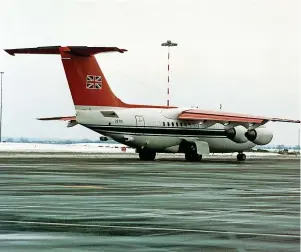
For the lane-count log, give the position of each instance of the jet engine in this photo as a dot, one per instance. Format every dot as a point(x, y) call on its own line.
point(237, 134)
point(259, 136)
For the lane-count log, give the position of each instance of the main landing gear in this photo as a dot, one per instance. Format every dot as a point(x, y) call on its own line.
point(241, 157)
point(146, 155)
point(193, 157)
point(191, 154)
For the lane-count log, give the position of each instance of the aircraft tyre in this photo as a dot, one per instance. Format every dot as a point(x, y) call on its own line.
point(241, 157)
point(193, 157)
point(147, 155)
point(191, 154)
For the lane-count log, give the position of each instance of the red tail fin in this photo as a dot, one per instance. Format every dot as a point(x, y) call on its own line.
point(87, 82)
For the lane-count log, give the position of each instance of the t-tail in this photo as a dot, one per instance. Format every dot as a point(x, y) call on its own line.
point(87, 83)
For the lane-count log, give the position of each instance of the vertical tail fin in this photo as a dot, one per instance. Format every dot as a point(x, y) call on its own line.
point(87, 83)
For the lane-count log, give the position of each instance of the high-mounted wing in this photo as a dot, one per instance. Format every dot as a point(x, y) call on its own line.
point(202, 115)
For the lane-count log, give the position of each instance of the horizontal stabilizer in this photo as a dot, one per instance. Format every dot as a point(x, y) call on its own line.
point(64, 118)
point(75, 50)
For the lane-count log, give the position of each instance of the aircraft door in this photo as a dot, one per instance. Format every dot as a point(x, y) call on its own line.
point(140, 121)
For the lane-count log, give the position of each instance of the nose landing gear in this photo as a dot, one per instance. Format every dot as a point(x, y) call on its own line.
point(241, 157)
point(146, 155)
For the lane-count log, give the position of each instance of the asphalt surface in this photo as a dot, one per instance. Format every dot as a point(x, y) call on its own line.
point(105, 204)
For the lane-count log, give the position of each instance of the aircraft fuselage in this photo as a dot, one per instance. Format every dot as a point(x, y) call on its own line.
point(155, 129)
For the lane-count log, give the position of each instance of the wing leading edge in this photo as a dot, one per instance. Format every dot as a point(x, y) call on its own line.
point(199, 115)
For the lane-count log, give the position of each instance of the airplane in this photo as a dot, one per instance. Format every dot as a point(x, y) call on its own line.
point(147, 128)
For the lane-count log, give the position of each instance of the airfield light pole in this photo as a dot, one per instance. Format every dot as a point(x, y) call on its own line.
point(1, 109)
point(168, 43)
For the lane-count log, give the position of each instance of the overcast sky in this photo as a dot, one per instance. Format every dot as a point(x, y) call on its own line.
point(244, 54)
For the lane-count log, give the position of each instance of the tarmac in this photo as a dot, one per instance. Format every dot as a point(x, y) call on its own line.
point(52, 202)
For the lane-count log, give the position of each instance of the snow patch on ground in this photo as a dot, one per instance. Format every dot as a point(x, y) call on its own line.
point(82, 148)
point(95, 148)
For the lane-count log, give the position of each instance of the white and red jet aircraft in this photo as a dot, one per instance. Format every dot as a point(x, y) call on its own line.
point(150, 129)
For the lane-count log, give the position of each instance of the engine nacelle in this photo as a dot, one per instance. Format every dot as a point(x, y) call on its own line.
point(237, 134)
point(260, 136)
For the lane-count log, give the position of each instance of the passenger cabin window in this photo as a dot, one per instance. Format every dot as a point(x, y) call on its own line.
point(172, 124)
point(177, 124)
point(167, 123)
point(163, 123)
